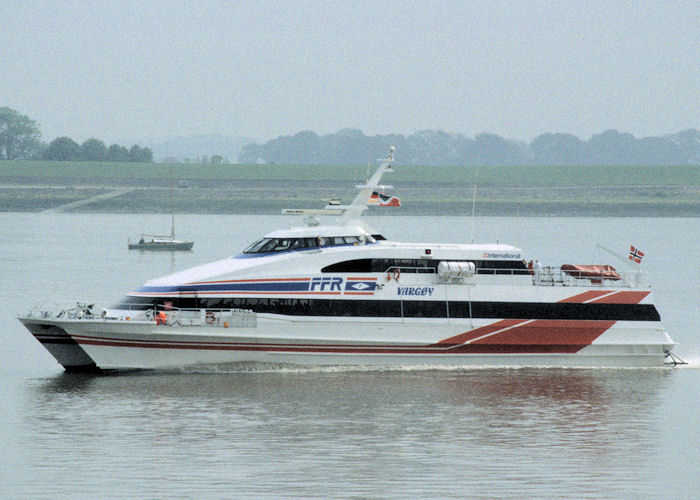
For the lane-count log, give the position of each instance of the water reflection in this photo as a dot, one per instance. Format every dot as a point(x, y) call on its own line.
point(164, 262)
point(348, 427)
point(507, 394)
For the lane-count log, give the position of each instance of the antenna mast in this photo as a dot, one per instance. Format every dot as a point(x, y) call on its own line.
point(476, 173)
point(172, 205)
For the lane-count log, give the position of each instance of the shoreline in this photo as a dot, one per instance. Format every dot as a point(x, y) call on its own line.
point(449, 200)
point(84, 187)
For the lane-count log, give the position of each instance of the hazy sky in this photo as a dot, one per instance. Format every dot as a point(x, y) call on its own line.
point(155, 70)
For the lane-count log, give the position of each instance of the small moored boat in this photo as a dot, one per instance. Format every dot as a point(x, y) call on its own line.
point(154, 242)
point(169, 243)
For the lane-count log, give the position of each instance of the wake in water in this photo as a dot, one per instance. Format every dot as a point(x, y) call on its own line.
point(692, 362)
point(282, 368)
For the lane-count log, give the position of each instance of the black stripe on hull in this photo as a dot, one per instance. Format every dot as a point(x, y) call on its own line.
point(62, 347)
point(408, 308)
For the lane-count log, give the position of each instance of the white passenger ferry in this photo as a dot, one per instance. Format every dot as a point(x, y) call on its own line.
point(344, 295)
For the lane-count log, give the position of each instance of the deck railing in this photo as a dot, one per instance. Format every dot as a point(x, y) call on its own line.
point(235, 318)
point(552, 276)
point(547, 276)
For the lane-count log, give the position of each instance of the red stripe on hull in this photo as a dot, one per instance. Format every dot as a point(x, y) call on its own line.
point(465, 349)
point(575, 334)
point(585, 296)
point(572, 334)
point(623, 298)
point(248, 281)
point(478, 332)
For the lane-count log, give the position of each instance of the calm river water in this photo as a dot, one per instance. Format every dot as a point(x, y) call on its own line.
point(332, 432)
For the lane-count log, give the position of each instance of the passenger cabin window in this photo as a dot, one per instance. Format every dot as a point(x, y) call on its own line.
point(422, 266)
point(269, 245)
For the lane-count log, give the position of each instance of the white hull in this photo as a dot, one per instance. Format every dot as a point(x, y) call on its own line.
point(115, 344)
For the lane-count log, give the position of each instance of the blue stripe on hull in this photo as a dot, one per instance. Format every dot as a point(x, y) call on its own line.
point(291, 286)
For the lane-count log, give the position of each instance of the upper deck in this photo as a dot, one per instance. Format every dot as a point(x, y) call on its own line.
point(349, 246)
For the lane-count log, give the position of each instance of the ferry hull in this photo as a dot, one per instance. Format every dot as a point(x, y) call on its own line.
point(61, 346)
point(112, 344)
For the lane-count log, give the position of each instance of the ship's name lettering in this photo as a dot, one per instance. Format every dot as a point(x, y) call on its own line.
point(326, 284)
point(415, 290)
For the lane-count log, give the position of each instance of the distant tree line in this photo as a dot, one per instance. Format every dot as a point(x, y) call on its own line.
point(66, 149)
point(20, 139)
point(435, 147)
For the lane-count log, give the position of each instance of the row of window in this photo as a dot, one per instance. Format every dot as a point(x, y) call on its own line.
point(406, 308)
point(422, 266)
point(267, 245)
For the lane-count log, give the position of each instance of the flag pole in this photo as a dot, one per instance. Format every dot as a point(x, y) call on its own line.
point(615, 254)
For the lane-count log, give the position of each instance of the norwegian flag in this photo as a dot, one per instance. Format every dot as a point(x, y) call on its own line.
point(636, 255)
point(384, 200)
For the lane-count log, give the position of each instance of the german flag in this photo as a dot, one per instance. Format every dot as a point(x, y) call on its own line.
point(384, 200)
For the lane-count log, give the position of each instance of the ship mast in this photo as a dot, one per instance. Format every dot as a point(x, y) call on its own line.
point(172, 206)
point(352, 212)
point(359, 204)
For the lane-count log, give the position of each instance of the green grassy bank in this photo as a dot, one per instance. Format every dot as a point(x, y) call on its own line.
point(266, 189)
point(88, 173)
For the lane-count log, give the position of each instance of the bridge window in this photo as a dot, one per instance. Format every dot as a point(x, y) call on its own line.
point(267, 245)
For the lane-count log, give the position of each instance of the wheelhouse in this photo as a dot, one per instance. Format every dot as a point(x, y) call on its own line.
point(309, 238)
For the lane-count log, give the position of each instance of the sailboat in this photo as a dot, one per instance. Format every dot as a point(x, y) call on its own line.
point(156, 242)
